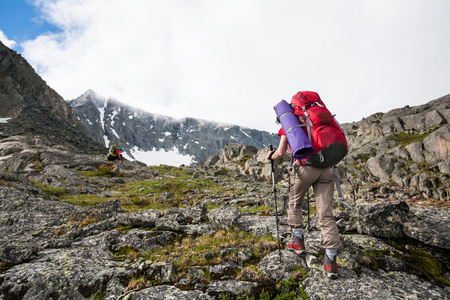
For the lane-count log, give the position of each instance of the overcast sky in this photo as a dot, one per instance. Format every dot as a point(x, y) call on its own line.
point(232, 61)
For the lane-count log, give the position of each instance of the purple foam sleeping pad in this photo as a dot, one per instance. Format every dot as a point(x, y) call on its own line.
point(301, 146)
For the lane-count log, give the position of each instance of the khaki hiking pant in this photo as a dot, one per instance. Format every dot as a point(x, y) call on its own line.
point(322, 181)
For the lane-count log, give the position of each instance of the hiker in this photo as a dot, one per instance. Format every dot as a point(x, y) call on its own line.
point(302, 177)
point(115, 155)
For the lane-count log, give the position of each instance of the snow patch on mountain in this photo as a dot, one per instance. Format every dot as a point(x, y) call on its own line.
point(245, 133)
point(102, 121)
point(159, 157)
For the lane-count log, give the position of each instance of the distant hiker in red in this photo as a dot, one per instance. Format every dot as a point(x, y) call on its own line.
point(115, 155)
point(303, 176)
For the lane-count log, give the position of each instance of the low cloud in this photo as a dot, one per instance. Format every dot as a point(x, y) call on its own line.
point(7, 42)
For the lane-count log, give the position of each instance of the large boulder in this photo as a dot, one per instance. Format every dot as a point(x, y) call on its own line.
point(381, 219)
point(168, 292)
point(381, 167)
point(280, 265)
point(225, 217)
point(141, 218)
point(437, 144)
point(429, 225)
point(415, 151)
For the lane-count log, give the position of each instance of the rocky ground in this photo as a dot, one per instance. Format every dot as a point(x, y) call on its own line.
point(71, 232)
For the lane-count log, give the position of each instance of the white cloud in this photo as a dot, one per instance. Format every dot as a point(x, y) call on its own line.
point(233, 61)
point(7, 42)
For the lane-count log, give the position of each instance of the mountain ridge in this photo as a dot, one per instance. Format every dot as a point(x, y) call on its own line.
point(134, 130)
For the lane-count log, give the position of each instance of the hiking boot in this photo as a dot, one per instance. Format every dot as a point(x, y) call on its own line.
point(298, 245)
point(330, 266)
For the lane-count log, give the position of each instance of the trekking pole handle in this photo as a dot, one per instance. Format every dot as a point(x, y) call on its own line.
point(271, 149)
point(270, 156)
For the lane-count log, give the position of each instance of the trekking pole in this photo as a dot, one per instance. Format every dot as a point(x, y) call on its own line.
point(275, 199)
point(307, 208)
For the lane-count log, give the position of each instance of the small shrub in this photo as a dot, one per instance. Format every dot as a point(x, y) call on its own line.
point(289, 290)
point(60, 231)
point(137, 283)
point(36, 162)
point(85, 222)
point(251, 273)
point(124, 253)
point(104, 170)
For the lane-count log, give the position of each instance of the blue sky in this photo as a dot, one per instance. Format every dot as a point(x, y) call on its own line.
point(21, 20)
point(232, 61)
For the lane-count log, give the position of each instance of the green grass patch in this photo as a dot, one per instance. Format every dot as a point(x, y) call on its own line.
point(204, 250)
point(403, 139)
point(4, 267)
point(54, 191)
point(124, 229)
point(164, 193)
point(430, 267)
point(244, 159)
point(124, 253)
point(85, 200)
point(170, 188)
point(261, 209)
point(51, 190)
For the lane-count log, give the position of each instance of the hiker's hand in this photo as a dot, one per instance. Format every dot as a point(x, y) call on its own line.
point(270, 154)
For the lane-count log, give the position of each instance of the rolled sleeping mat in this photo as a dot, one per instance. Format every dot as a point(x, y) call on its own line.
point(300, 144)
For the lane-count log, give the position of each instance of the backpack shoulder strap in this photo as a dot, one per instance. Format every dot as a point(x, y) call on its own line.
point(308, 122)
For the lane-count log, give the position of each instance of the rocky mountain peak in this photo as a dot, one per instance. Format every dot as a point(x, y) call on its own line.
point(34, 109)
point(90, 98)
point(21, 87)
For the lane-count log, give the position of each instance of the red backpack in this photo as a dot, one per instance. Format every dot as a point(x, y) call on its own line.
point(324, 132)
